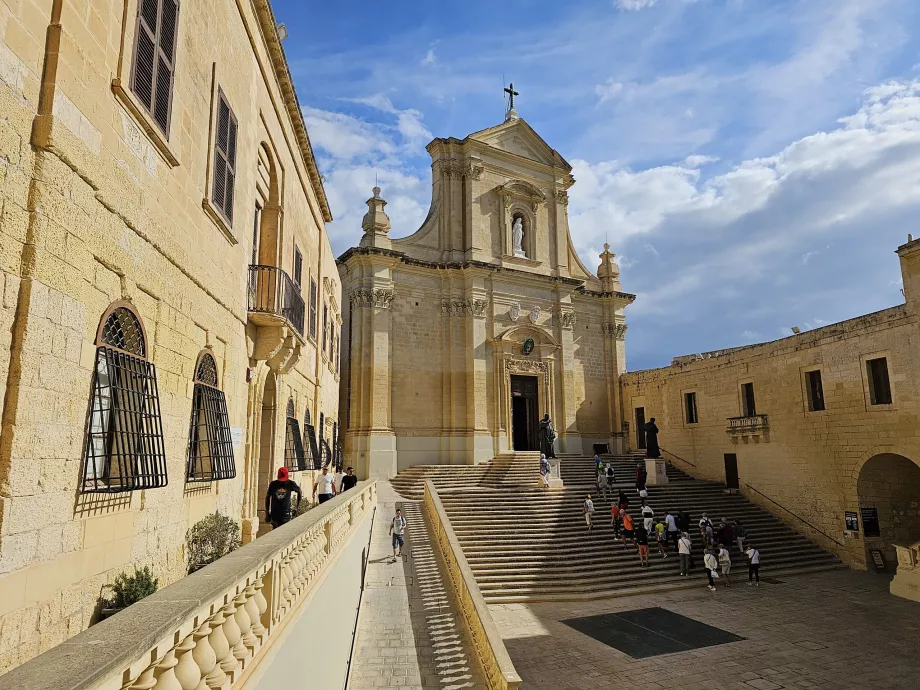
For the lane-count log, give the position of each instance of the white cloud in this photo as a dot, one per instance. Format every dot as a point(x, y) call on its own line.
point(608, 90)
point(345, 137)
point(698, 161)
point(735, 237)
point(429, 59)
point(633, 5)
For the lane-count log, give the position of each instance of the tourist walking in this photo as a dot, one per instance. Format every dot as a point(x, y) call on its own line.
point(684, 546)
point(726, 533)
point(648, 518)
point(660, 538)
point(753, 556)
point(589, 511)
point(610, 477)
point(349, 481)
point(641, 476)
point(683, 521)
point(600, 480)
point(642, 546)
point(670, 524)
point(740, 533)
point(725, 562)
point(628, 531)
point(704, 522)
point(545, 470)
point(278, 498)
point(398, 530)
point(325, 485)
point(615, 519)
point(711, 563)
point(623, 500)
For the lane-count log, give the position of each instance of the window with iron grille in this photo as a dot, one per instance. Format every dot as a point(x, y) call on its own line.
point(325, 325)
point(210, 448)
point(308, 446)
point(313, 300)
point(224, 158)
point(124, 448)
point(154, 55)
point(294, 458)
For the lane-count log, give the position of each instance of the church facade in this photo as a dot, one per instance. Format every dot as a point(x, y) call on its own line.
point(460, 337)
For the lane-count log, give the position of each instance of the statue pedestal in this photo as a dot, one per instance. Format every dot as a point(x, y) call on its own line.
point(555, 474)
point(657, 472)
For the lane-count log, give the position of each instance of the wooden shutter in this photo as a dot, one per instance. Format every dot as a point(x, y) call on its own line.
point(154, 57)
point(224, 158)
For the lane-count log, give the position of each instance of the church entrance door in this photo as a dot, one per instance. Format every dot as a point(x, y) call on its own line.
point(524, 413)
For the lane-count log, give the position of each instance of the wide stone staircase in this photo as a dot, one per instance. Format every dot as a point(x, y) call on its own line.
point(526, 543)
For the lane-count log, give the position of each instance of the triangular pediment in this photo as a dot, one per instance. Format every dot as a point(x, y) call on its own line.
point(519, 138)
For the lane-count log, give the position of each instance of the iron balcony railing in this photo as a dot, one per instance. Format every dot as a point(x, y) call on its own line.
point(271, 291)
point(752, 423)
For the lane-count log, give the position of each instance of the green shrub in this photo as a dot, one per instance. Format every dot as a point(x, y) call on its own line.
point(211, 538)
point(128, 589)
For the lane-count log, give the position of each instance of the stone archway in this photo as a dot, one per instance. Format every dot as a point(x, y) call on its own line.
point(890, 484)
point(266, 450)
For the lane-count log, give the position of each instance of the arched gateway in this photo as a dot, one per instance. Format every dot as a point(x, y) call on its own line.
point(461, 335)
point(889, 502)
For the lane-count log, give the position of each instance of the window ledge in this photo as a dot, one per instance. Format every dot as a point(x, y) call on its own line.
point(147, 125)
point(522, 260)
point(218, 220)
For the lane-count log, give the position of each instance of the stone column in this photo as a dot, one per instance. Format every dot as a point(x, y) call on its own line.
point(478, 403)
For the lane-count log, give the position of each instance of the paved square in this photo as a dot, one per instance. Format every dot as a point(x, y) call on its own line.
point(838, 629)
point(649, 632)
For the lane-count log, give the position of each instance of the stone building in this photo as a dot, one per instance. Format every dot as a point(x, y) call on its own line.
point(169, 321)
point(460, 336)
point(821, 428)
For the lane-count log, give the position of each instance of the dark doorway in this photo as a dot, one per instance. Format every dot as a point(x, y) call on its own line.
point(640, 428)
point(731, 471)
point(524, 413)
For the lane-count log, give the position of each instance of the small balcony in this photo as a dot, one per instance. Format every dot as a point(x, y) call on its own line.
point(748, 428)
point(277, 308)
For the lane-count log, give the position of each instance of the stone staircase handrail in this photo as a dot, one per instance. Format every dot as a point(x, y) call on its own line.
point(210, 629)
point(797, 517)
point(675, 455)
point(493, 657)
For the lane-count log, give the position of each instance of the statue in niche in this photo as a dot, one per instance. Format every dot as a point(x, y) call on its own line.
point(547, 436)
point(517, 236)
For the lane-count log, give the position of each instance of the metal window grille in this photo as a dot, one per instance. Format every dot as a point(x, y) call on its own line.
point(124, 441)
point(210, 451)
point(315, 456)
point(294, 458)
point(313, 300)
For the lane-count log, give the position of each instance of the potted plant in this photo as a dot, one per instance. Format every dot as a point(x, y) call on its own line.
point(129, 589)
point(210, 538)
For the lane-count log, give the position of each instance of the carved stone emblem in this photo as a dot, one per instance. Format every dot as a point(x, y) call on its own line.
point(535, 314)
point(514, 313)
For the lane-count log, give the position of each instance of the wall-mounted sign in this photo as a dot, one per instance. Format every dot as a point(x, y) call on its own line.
point(528, 346)
point(870, 522)
point(878, 558)
point(852, 521)
point(236, 436)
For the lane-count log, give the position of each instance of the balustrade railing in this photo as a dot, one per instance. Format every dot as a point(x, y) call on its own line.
point(749, 423)
point(493, 657)
point(210, 629)
point(271, 291)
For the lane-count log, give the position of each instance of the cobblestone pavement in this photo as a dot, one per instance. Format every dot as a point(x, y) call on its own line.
point(408, 635)
point(839, 629)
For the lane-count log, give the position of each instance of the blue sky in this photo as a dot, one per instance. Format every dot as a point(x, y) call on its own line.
point(754, 163)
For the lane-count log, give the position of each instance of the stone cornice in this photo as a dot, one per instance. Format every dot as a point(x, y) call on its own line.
point(282, 72)
point(629, 298)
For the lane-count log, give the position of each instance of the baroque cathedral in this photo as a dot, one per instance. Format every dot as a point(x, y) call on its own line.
point(459, 337)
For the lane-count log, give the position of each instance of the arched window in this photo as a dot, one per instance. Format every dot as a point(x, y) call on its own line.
point(314, 458)
point(124, 433)
point(294, 458)
point(210, 448)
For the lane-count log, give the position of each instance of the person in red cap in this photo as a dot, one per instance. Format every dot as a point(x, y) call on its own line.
point(278, 498)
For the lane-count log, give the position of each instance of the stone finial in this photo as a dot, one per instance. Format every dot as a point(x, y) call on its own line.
point(376, 223)
point(608, 272)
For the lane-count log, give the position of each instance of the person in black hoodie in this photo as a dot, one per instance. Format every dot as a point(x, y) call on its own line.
point(349, 480)
point(278, 498)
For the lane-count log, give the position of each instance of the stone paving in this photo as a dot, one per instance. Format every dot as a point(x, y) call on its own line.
point(838, 629)
point(408, 634)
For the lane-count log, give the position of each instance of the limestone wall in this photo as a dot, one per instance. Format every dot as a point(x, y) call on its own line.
point(98, 207)
point(808, 462)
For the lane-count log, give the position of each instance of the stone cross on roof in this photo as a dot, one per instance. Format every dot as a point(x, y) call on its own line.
point(512, 93)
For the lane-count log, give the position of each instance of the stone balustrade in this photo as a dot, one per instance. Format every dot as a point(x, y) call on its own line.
point(491, 653)
point(209, 630)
